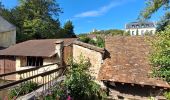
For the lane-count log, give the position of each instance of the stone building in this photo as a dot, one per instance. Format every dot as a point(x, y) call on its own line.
point(140, 28)
point(126, 71)
point(7, 33)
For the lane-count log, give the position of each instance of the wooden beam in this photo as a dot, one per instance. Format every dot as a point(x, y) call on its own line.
point(26, 79)
point(26, 70)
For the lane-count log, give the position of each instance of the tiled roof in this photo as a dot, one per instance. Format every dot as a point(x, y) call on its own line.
point(42, 48)
point(128, 62)
point(140, 25)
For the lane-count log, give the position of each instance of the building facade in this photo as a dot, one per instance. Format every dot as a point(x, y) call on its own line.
point(7, 33)
point(140, 28)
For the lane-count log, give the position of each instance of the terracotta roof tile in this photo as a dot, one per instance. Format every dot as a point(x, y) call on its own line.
point(128, 62)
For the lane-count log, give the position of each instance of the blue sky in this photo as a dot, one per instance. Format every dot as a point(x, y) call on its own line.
point(98, 14)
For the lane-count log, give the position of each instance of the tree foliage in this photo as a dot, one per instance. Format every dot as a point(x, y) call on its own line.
point(160, 57)
point(109, 32)
point(69, 29)
point(79, 82)
point(35, 19)
point(99, 41)
point(165, 20)
point(152, 6)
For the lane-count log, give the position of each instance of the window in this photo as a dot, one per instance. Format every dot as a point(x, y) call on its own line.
point(132, 32)
point(151, 32)
point(142, 32)
point(137, 26)
point(34, 61)
point(133, 26)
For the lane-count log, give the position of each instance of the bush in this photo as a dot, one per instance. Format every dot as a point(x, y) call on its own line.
point(99, 42)
point(22, 89)
point(160, 58)
point(79, 82)
point(167, 95)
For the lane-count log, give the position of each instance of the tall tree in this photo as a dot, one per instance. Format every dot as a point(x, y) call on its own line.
point(69, 29)
point(38, 19)
point(34, 19)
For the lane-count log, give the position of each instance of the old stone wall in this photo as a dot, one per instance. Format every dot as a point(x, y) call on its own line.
point(7, 38)
point(96, 58)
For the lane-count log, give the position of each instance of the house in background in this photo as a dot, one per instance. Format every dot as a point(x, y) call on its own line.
point(7, 33)
point(140, 28)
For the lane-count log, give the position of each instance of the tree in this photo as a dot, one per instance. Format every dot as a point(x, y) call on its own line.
point(152, 6)
point(35, 19)
point(165, 20)
point(69, 29)
point(160, 58)
point(38, 17)
point(137, 32)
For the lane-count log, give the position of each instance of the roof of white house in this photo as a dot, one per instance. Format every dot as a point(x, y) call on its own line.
point(6, 26)
point(134, 25)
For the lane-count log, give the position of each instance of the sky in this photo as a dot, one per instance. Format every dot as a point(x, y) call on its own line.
point(87, 15)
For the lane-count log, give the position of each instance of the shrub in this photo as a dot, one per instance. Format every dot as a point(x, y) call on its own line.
point(160, 58)
point(22, 89)
point(167, 95)
point(79, 82)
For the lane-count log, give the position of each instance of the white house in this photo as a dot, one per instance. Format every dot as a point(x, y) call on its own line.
point(140, 28)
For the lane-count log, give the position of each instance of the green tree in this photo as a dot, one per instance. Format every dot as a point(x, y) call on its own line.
point(160, 58)
point(35, 19)
point(137, 32)
point(69, 29)
point(152, 6)
point(165, 20)
point(38, 17)
point(79, 82)
point(100, 42)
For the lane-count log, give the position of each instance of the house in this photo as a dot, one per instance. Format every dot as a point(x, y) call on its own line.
point(7, 33)
point(126, 71)
point(34, 53)
point(140, 28)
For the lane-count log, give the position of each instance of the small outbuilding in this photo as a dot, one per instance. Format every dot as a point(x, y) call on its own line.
point(34, 53)
point(7, 33)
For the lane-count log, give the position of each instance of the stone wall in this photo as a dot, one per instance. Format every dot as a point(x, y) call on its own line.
point(95, 57)
point(7, 38)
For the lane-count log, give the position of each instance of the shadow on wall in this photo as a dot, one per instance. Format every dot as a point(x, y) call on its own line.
point(106, 54)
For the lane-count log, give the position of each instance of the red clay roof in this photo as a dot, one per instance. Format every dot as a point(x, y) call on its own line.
point(41, 48)
point(128, 62)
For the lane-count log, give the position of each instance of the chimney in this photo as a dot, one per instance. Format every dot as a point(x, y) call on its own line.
point(59, 44)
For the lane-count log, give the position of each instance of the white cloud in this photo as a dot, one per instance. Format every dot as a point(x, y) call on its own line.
point(102, 10)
